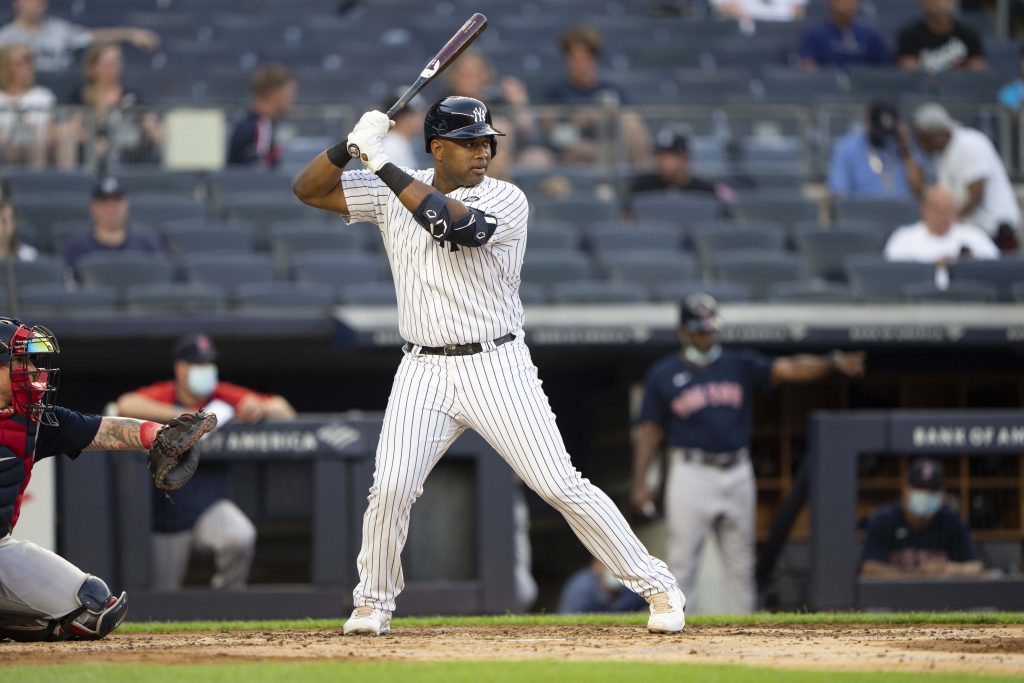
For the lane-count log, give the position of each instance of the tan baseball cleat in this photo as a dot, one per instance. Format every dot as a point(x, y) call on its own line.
point(668, 612)
point(367, 621)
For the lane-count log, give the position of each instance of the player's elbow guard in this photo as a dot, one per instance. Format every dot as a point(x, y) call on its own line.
point(472, 230)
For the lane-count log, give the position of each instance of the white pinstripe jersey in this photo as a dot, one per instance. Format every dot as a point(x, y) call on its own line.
point(444, 296)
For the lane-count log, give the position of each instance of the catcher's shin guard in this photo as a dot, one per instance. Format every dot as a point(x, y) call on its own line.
point(99, 614)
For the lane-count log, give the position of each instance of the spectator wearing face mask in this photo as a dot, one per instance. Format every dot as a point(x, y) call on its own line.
point(201, 516)
point(919, 535)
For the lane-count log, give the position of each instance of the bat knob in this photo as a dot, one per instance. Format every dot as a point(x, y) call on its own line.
point(353, 150)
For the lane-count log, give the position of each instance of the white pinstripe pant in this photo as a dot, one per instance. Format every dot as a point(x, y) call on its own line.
point(497, 393)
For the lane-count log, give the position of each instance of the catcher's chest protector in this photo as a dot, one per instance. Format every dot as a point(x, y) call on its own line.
point(17, 447)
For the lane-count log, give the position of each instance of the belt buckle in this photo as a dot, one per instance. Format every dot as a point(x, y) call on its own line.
point(450, 349)
point(723, 460)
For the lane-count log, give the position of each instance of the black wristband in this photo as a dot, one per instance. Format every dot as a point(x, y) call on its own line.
point(338, 155)
point(395, 178)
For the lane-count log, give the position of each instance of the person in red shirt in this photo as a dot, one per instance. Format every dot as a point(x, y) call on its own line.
point(202, 516)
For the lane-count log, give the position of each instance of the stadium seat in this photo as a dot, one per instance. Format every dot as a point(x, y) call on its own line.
point(867, 83)
point(175, 298)
point(153, 207)
point(552, 239)
point(962, 291)
point(720, 239)
point(1003, 273)
point(368, 294)
point(885, 214)
point(533, 294)
point(230, 270)
point(1017, 291)
point(580, 211)
point(758, 268)
point(618, 237)
point(45, 270)
point(598, 292)
point(650, 267)
point(825, 251)
point(163, 182)
point(30, 182)
point(675, 207)
point(810, 291)
point(122, 269)
point(786, 209)
point(337, 269)
point(43, 299)
point(789, 84)
point(678, 290)
point(547, 267)
point(301, 298)
point(205, 241)
point(288, 243)
point(875, 279)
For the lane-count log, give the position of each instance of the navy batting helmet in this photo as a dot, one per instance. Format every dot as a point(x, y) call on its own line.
point(699, 313)
point(459, 118)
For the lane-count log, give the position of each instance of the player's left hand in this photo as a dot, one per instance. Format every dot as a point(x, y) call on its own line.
point(850, 364)
point(368, 136)
point(173, 459)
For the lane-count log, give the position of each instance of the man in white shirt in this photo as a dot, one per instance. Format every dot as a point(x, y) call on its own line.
point(967, 163)
point(747, 12)
point(53, 41)
point(937, 238)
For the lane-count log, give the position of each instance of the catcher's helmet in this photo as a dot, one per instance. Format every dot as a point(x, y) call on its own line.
point(459, 118)
point(29, 351)
point(699, 313)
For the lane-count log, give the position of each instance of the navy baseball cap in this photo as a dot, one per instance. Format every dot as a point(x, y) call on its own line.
point(195, 348)
point(672, 142)
point(107, 187)
point(925, 473)
point(699, 313)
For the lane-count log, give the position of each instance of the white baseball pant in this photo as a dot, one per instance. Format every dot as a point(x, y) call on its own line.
point(222, 529)
point(497, 393)
point(36, 585)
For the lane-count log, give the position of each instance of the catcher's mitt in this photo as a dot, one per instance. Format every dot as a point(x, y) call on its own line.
point(172, 458)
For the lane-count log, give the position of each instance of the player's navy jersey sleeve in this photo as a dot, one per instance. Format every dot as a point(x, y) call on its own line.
point(654, 407)
point(366, 196)
point(757, 368)
point(880, 527)
point(74, 432)
point(961, 547)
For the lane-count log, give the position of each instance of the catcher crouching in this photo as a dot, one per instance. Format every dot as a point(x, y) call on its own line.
point(42, 595)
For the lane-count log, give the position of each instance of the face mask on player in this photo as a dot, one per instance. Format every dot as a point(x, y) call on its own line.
point(924, 503)
point(702, 358)
point(202, 379)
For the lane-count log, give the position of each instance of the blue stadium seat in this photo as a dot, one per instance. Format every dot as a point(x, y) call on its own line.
point(714, 242)
point(153, 207)
point(533, 294)
point(678, 290)
point(650, 267)
point(368, 294)
point(812, 291)
point(758, 268)
point(50, 299)
point(185, 240)
point(579, 211)
point(69, 182)
point(121, 269)
point(302, 298)
point(961, 291)
point(875, 279)
point(552, 239)
point(598, 292)
point(1003, 273)
point(679, 208)
point(337, 269)
point(826, 251)
point(885, 214)
point(613, 236)
point(547, 267)
point(230, 270)
point(182, 298)
point(781, 208)
point(45, 270)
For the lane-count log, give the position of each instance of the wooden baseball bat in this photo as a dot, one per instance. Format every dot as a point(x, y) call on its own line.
point(455, 46)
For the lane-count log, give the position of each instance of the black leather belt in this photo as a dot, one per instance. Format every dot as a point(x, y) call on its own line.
point(721, 460)
point(458, 349)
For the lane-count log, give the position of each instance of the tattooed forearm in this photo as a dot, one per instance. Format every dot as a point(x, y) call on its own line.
point(117, 434)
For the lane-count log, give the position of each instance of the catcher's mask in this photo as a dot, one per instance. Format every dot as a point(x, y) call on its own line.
point(30, 353)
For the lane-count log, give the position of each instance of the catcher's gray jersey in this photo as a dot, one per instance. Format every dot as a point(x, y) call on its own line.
point(444, 296)
point(458, 297)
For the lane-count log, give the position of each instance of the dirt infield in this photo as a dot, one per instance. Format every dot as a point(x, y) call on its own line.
point(946, 648)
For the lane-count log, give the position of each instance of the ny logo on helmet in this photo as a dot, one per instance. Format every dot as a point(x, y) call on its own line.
point(480, 115)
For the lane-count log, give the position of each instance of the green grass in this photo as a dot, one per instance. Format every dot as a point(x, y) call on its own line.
point(457, 672)
point(761, 619)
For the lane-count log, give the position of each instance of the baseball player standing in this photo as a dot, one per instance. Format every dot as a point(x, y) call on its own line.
point(699, 403)
point(455, 240)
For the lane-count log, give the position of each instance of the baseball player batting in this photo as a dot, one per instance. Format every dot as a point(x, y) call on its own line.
point(42, 595)
point(455, 239)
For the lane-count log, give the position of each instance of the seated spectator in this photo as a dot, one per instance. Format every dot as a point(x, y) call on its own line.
point(116, 128)
point(10, 245)
point(53, 41)
point(404, 144)
point(201, 515)
point(583, 85)
point(841, 41)
point(1011, 95)
point(110, 231)
point(253, 140)
point(595, 589)
point(473, 76)
point(937, 42)
point(673, 170)
point(918, 535)
point(871, 160)
point(937, 238)
point(26, 110)
point(748, 12)
point(967, 162)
